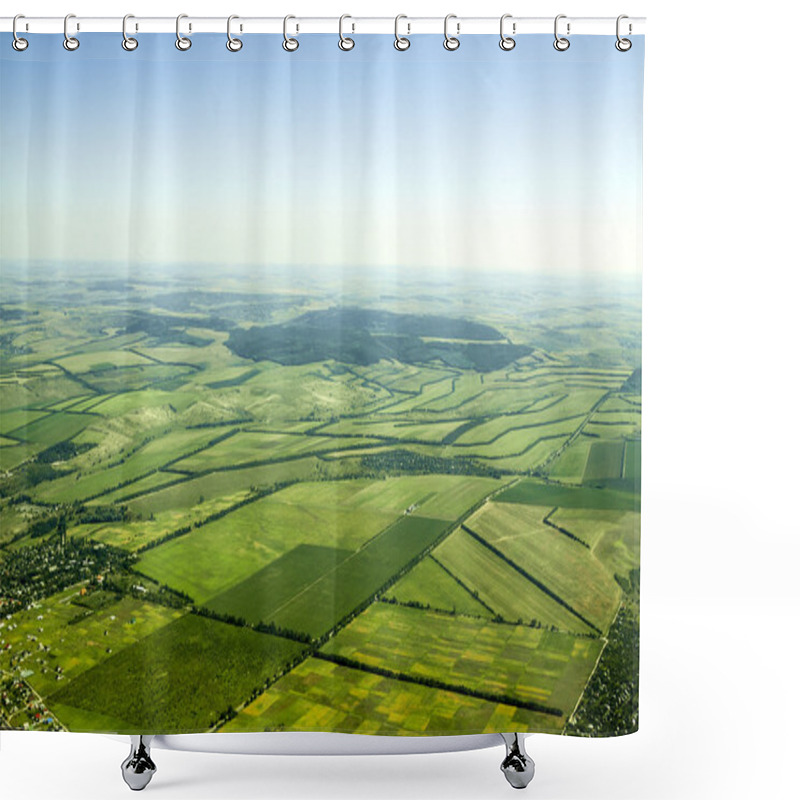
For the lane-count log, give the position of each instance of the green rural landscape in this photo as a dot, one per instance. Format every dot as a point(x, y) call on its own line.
point(230, 505)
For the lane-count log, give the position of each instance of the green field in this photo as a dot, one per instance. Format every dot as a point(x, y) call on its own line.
point(261, 597)
point(591, 525)
point(11, 457)
point(535, 493)
point(220, 554)
point(633, 461)
point(153, 686)
point(53, 428)
point(439, 496)
point(142, 461)
point(11, 420)
point(614, 430)
point(574, 406)
point(433, 431)
point(566, 568)
point(153, 526)
point(430, 584)
point(605, 461)
point(117, 405)
point(101, 361)
point(570, 465)
point(509, 594)
point(318, 606)
point(253, 447)
point(152, 495)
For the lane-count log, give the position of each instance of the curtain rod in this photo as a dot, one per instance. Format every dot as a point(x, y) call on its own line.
point(300, 24)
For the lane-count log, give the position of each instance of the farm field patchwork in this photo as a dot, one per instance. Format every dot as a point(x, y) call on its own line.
point(78, 637)
point(532, 492)
point(358, 578)
point(215, 557)
point(561, 408)
point(430, 584)
point(194, 466)
point(592, 525)
point(11, 420)
point(613, 430)
point(222, 663)
point(147, 459)
point(154, 526)
point(52, 428)
point(433, 431)
point(172, 491)
point(100, 361)
point(531, 665)
point(318, 695)
point(115, 405)
point(510, 595)
point(565, 567)
point(260, 597)
point(250, 447)
point(439, 496)
point(15, 455)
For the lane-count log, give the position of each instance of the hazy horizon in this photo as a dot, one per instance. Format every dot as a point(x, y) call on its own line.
point(477, 160)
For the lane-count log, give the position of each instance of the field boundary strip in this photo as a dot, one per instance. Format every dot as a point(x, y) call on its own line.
point(466, 588)
point(549, 592)
point(546, 520)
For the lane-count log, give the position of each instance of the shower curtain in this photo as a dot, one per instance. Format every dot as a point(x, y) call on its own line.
point(321, 385)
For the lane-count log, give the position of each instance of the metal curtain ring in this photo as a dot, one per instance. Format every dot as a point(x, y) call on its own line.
point(345, 42)
point(128, 42)
point(70, 42)
point(451, 42)
point(289, 44)
point(233, 44)
point(181, 42)
point(561, 43)
point(623, 45)
point(18, 43)
point(506, 42)
point(400, 42)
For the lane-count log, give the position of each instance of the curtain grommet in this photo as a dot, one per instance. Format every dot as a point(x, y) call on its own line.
point(507, 43)
point(17, 42)
point(561, 43)
point(289, 44)
point(70, 43)
point(622, 44)
point(451, 43)
point(183, 43)
point(233, 44)
point(345, 42)
point(401, 43)
point(129, 43)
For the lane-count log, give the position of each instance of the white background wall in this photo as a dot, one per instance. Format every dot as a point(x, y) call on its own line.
point(721, 559)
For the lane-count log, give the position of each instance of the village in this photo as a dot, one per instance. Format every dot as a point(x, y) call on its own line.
point(21, 708)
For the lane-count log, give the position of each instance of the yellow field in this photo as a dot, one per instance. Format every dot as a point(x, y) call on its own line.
point(320, 696)
point(529, 664)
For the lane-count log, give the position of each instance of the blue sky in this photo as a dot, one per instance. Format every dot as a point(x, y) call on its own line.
point(478, 158)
